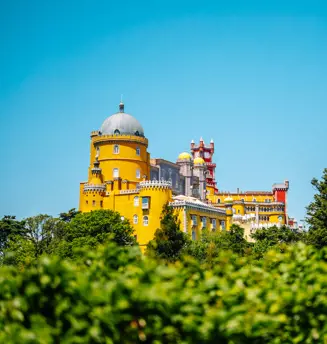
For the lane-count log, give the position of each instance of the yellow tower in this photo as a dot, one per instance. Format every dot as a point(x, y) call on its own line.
point(229, 210)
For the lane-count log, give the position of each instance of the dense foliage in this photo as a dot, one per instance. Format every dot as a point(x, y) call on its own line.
point(169, 240)
point(27, 240)
point(114, 295)
point(317, 213)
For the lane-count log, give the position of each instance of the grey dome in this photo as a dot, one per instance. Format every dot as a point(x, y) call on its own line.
point(122, 123)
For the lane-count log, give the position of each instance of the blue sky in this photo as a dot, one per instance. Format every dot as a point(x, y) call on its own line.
point(252, 75)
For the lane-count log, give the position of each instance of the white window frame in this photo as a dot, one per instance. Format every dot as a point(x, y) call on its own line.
point(116, 149)
point(114, 174)
point(145, 220)
point(135, 219)
point(138, 173)
point(136, 201)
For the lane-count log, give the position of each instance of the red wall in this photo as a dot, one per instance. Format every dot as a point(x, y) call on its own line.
point(280, 196)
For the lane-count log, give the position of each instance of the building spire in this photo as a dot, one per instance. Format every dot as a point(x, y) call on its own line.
point(121, 104)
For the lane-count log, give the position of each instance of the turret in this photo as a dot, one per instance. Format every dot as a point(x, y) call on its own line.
point(229, 210)
point(185, 163)
point(199, 171)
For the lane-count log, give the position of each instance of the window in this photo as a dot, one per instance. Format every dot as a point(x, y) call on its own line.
point(242, 199)
point(145, 220)
point(193, 235)
point(145, 202)
point(97, 151)
point(194, 220)
point(254, 200)
point(93, 203)
point(135, 219)
point(137, 133)
point(138, 151)
point(222, 223)
point(204, 222)
point(238, 211)
point(115, 173)
point(87, 202)
point(218, 200)
point(213, 223)
point(101, 204)
point(116, 132)
point(116, 149)
point(136, 201)
point(138, 173)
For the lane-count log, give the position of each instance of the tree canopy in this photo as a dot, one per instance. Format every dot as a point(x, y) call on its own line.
point(169, 240)
point(317, 213)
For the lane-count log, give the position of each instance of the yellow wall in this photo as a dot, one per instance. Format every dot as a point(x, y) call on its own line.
point(127, 161)
point(199, 214)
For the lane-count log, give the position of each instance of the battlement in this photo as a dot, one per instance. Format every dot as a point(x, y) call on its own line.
point(160, 184)
point(131, 191)
point(94, 187)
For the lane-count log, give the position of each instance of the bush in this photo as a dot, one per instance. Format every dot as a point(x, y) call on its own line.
point(115, 295)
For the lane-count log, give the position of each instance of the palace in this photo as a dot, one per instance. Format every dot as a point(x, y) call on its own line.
point(123, 177)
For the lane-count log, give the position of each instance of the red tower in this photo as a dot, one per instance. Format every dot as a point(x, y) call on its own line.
point(206, 153)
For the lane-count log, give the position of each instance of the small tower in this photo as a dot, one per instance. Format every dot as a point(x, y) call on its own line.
point(185, 164)
point(229, 211)
point(94, 191)
point(199, 171)
point(206, 153)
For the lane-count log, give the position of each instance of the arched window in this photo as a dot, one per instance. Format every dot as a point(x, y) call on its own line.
point(136, 201)
point(115, 173)
point(138, 173)
point(137, 133)
point(135, 219)
point(254, 200)
point(145, 220)
point(218, 200)
point(116, 132)
point(116, 149)
point(138, 151)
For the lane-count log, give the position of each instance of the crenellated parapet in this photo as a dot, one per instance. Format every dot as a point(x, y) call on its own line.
point(155, 184)
point(94, 187)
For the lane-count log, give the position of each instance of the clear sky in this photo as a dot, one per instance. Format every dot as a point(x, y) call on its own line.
point(252, 75)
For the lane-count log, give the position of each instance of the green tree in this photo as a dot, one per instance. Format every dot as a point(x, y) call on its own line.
point(169, 240)
point(236, 241)
point(277, 237)
point(93, 228)
point(317, 213)
point(38, 235)
point(67, 217)
point(9, 226)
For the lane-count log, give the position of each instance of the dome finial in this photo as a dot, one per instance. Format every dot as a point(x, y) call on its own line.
point(121, 104)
